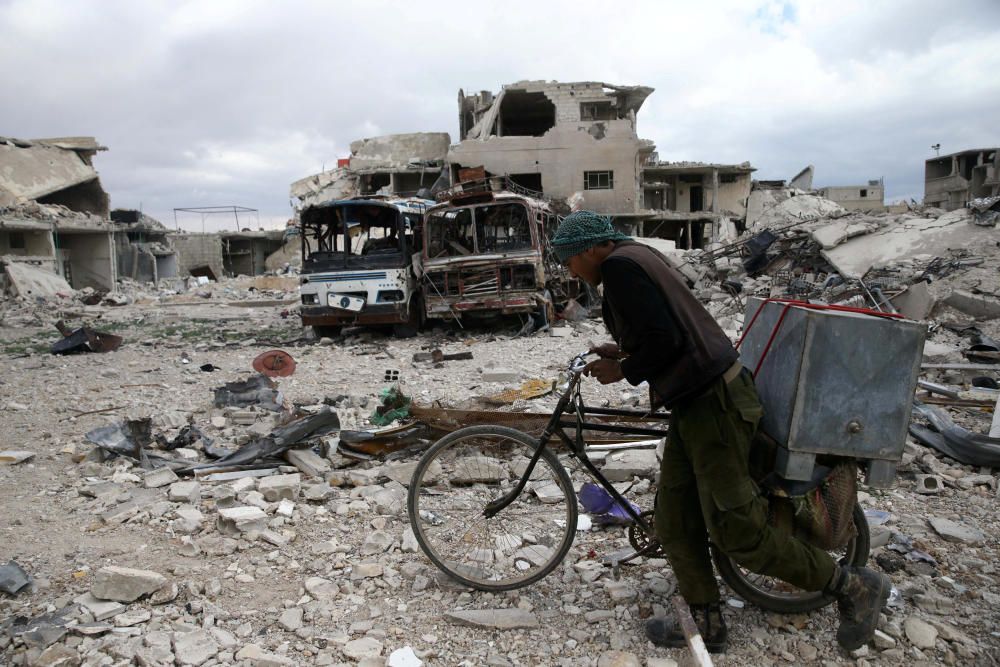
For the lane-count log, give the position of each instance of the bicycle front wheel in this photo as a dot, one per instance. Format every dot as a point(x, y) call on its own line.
point(454, 482)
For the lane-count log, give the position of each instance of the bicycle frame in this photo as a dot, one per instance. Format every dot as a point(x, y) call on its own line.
point(556, 426)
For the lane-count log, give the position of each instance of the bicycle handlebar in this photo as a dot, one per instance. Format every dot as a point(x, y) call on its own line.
point(577, 364)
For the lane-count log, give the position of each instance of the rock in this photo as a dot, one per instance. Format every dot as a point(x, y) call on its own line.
point(951, 531)
point(99, 609)
point(257, 657)
point(409, 544)
point(154, 479)
point(285, 508)
point(156, 650)
point(500, 375)
point(622, 467)
point(317, 492)
point(188, 520)
point(195, 647)
point(661, 662)
point(401, 473)
point(618, 659)
point(322, 589)
point(493, 619)
point(391, 499)
point(807, 651)
point(471, 469)
point(276, 487)
point(920, 633)
point(236, 520)
point(366, 647)
point(124, 584)
point(934, 603)
point(291, 619)
point(131, 618)
point(403, 657)
point(929, 484)
point(376, 542)
point(620, 591)
point(13, 457)
point(184, 492)
point(58, 655)
point(883, 642)
point(366, 571)
point(217, 546)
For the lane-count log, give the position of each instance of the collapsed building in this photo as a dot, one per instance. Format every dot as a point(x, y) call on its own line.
point(952, 181)
point(870, 197)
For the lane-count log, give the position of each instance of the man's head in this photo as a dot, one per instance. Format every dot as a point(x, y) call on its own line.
point(584, 239)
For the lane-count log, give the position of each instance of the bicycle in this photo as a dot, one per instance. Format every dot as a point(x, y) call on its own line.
point(495, 509)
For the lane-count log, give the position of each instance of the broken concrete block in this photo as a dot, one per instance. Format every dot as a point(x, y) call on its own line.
point(100, 609)
point(493, 619)
point(500, 375)
point(124, 584)
point(154, 479)
point(188, 520)
point(915, 302)
point(310, 463)
point(184, 492)
point(277, 487)
point(977, 305)
point(952, 531)
point(291, 619)
point(322, 589)
point(928, 484)
point(255, 655)
point(403, 472)
point(359, 649)
point(13, 457)
point(285, 508)
point(30, 281)
point(236, 520)
point(626, 465)
point(195, 647)
point(366, 571)
point(317, 492)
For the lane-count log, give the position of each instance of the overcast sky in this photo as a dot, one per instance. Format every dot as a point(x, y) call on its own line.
point(216, 103)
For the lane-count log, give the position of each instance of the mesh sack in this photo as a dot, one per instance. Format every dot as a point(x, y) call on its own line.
point(822, 516)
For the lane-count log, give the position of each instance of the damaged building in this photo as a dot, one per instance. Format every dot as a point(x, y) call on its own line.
point(54, 211)
point(143, 247)
point(951, 181)
point(870, 197)
point(558, 139)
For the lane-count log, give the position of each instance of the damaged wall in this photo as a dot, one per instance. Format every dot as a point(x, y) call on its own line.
point(198, 250)
point(399, 151)
point(86, 258)
point(52, 171)
point(869, 197)
point(562, 154)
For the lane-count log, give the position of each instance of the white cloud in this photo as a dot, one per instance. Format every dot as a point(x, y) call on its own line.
point(227, 102)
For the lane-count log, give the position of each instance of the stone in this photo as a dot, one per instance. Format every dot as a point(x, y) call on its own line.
point(131, 618)
point(883, 642)
point(951, 531)
point(188, 520)
point(471, 469)
point(935, 603)
point(391, 499)
point(217, 546)
point(308, 462)
point(920, 633)
point(258, 657)
point(403, 657)
point(124, 584)
point(195, 647)
point(236, 520)
point(409, 543)
point(184, 492)
point(154, 479)
point(285, 508)
point(100, 609)
point(322, 589)
point(598, 615)
point(366, 570)
point(276, 487)
point(622, 467)
point(156, 650)
point(661, 662)
point(620, 591)
point(549, 493)
point(317, 492)
point(58, 655)
point(807, 651)
point(618, 659)
point(13, 456)
point(976, 305)
point(366, 647)
point(500, 375)
point(401, 473)
point(291, 619)
point(493, 619)
point(376, 542)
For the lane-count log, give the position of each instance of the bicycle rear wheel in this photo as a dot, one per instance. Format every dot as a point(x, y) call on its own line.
point(452, 485)
point(776, 595)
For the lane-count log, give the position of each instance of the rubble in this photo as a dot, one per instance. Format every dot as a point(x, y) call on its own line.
point(123, 584)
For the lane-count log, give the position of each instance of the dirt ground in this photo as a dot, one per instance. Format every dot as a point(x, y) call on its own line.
point(248, 600)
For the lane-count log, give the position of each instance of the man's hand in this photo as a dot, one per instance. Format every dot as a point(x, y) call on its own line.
point(607, 351)
point(604, 371)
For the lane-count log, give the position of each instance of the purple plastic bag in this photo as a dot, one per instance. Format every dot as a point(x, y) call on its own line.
point(602, 506)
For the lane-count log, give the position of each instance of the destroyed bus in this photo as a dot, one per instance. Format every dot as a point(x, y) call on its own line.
point(487, 253)
point(357, 264)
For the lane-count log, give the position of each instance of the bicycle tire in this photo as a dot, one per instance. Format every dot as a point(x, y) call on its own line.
point(519, 545)
point(762, 591)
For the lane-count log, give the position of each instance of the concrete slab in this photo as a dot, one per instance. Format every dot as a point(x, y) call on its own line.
point(30, 281)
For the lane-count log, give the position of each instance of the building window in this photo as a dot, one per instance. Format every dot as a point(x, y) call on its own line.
point(727, 178)
point(16, 240)
point(596, 111)
point(598, 180)
point(864, 193)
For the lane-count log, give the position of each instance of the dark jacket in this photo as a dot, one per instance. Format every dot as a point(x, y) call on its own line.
point(673, 343)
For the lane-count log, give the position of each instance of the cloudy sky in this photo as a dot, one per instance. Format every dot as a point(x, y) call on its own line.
point(227, 102)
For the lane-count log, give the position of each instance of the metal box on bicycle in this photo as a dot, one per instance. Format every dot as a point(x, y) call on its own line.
point(833, 382)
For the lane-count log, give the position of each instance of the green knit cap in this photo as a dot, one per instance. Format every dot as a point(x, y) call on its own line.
point(582, 230)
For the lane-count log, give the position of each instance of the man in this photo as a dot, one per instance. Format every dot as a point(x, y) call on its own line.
point(664, 336)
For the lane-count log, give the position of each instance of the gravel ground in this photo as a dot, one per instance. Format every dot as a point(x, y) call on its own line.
point(337, 579)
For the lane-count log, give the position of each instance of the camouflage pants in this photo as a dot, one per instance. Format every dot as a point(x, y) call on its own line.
point(706, 492)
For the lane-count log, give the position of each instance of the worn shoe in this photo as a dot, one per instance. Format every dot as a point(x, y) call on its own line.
point(707, 617)
point(860, 594)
